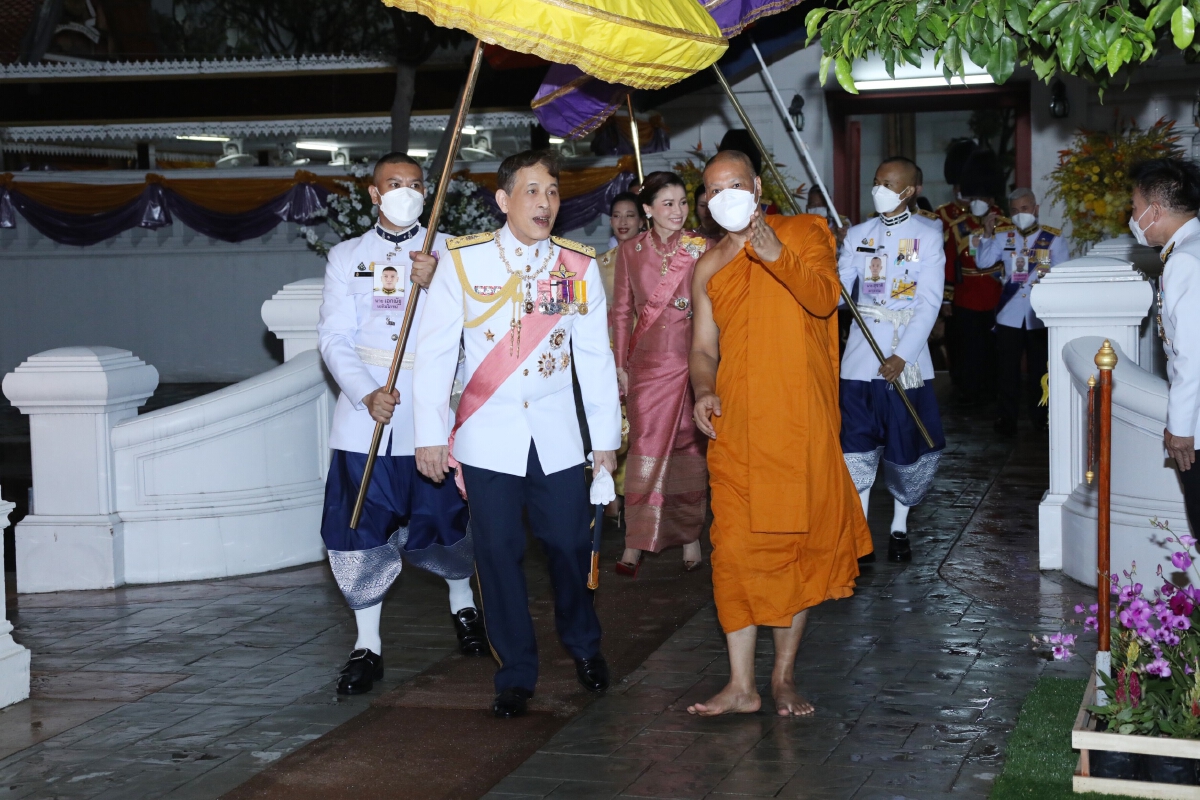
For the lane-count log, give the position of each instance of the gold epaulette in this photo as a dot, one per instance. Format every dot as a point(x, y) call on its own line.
point(459, 242)
point(567, 244)
point(1005, 228)
point(1052, 231)
point(928, 214)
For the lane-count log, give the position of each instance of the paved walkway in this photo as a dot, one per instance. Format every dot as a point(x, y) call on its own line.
point(189, 690)
point(917, 679)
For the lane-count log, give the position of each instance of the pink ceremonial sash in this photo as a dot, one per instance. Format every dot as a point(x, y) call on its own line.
point(662, 296)
point(504, 359)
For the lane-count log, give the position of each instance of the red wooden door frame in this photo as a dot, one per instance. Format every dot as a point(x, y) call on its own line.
point(841, 105)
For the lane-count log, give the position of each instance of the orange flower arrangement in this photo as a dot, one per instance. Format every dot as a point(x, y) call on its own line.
point(1091, 181)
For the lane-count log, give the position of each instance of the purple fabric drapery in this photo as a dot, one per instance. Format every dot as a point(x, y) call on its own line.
point(577, 211)
point(158, 206)
point(572, 103)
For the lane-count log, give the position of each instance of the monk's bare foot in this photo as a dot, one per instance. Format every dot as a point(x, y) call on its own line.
point(729, 700)
point(788, 703)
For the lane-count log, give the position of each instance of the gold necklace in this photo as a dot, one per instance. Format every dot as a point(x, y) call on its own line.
point(528, 276)
point(666, 257)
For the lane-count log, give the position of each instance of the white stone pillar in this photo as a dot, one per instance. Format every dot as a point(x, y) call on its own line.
point(73, 397)
point(1090, 296)
point(14, 659)
point(292, 315)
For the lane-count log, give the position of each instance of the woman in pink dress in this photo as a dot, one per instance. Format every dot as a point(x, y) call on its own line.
point(666, 476)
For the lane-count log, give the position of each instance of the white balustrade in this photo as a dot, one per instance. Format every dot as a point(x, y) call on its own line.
point(14, 659)
point(226, 484)
point(1089, 296)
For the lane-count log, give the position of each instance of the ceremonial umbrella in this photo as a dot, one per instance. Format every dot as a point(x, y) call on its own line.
point(646, 44)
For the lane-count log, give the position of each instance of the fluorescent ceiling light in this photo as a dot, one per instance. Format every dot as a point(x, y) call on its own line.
point(470, 130)
point(204, 138)
point(922, 83)
point(556, 140)
point(328, 148)
point(417, 152)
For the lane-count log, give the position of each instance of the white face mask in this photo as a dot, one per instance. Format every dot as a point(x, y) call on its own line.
point(732, 209)
point(1024, 221)
point(886, 201)
point(1136, 228)
point(402, 206)
point(979, 207)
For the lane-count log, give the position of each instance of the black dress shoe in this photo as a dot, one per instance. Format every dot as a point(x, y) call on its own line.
point(511, 702)
point(898, 547)
point(593, 673)
point(869, 558)
point(472, 640)
point(360, 672)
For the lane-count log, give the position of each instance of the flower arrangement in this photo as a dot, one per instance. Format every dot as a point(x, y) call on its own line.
point(692, 175)
point(1091, 181)
point(1154, 689)
point(351, 214)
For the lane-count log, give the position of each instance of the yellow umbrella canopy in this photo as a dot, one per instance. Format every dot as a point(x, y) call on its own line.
point(646, 44)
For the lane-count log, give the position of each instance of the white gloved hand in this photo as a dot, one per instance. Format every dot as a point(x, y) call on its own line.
point(604, 491)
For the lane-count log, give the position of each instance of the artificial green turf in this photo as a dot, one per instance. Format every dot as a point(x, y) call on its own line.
point(1039, 761)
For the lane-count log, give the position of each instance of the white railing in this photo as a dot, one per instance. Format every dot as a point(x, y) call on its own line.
point(226, 484)
point(14, 659)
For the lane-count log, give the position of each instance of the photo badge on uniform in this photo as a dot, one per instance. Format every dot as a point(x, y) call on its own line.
point(389, 293)
point(904, 287)
point(1020, 266)
point(874, 283)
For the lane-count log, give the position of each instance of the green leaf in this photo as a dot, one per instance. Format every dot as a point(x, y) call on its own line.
point(980, 53)
point(908, 22)
point(889, 62)
point(825, 61)
point(1118, 53)
point(937, 26)
point(912, 55)
point(995, 11)
point(1017, 18)
point(1056, 17)
point(1090, 7)
point(813, 20)
point(1042, 9)
point(1068, 48)
point(1043, 67)
point(842, 69)
point(1004, 59)
point(1183, 27)
point(979, 10)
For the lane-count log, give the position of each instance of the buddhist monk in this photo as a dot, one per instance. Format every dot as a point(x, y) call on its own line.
point(788, 527)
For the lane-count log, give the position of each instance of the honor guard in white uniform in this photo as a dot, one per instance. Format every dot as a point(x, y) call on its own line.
point(894, 266)
point(1024, 251)
point(527, 308)
point(1166, 198)
point(405, 517)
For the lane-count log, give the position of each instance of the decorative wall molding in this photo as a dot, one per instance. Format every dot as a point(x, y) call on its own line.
point(193, 68)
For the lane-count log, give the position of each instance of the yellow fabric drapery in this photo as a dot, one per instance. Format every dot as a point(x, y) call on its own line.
point(225, 195)
point(646, 44)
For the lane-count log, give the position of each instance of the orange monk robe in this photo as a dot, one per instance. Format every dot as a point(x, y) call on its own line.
point(788, 525)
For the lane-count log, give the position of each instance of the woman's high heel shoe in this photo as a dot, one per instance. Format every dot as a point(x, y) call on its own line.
point(630, 570)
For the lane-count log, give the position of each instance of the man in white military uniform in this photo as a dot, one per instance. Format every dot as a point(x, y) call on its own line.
point(1166, 198)
point(898, 262)
point(1027, 251)
point(405, 517)
point(526, 306)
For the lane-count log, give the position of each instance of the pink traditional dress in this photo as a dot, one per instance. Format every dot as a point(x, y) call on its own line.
point(666, 476)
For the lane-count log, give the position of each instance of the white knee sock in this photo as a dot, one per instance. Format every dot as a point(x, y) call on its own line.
point(900, 517)
point(865, 496)
point(460, 595)
point(368, 629)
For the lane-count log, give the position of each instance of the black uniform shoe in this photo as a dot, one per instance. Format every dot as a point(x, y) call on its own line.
point(511, 702)
point(593, 673)
point(360, 672)
point(898, 548)
point(468, 624)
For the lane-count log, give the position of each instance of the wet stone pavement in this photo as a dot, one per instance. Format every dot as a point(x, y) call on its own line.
point(916, 679)
point(188, 690)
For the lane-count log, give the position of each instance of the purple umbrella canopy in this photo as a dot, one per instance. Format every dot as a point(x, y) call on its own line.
point(570, 103)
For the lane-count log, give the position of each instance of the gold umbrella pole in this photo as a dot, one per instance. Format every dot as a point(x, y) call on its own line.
point(435, 213)
point(637, 145)
point(795, 209)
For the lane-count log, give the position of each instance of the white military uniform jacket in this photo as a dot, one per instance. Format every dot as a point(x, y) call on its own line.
point(900, 272)
point(1179, 326)
point(357, 335)
point(536, 402)
point(1026, 259)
